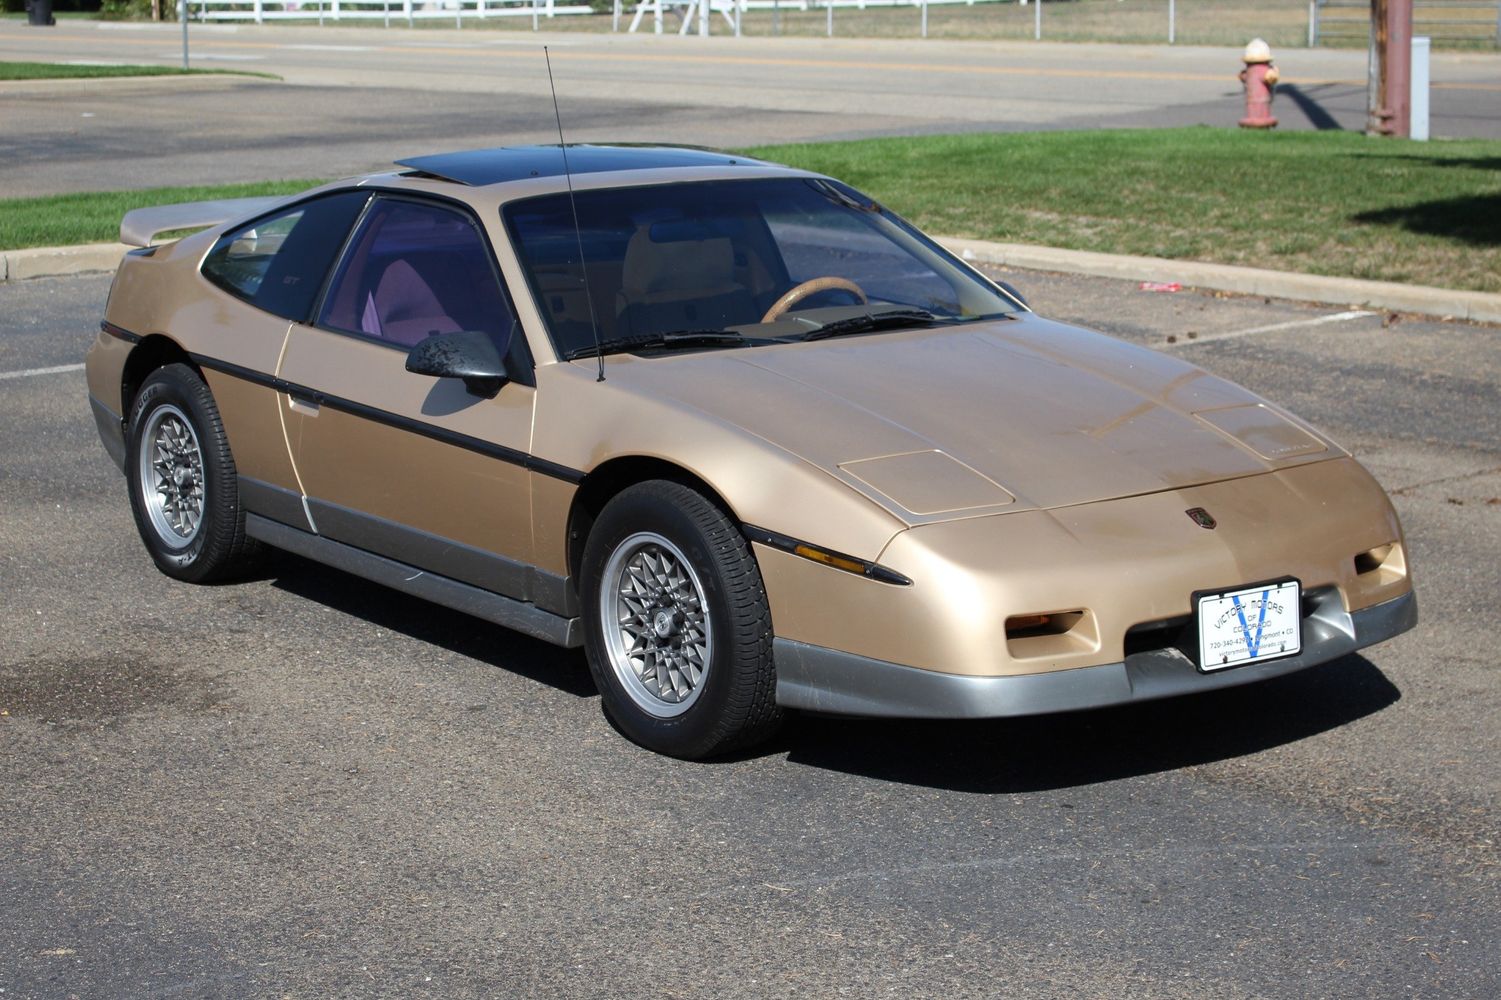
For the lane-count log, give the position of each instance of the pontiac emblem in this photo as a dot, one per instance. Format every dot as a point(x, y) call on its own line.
point(1201, 517)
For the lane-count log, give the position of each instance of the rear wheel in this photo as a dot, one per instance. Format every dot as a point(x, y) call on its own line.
point(183, 486)
point(677, 627)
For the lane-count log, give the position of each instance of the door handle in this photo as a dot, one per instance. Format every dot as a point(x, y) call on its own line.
point(303, 405)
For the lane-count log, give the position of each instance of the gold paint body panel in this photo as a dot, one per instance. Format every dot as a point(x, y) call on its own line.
point(397, 474)
point(1072, 458)
point(164, 295)
point(1126, 562)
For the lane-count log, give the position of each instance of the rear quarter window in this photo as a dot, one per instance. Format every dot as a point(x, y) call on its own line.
point(278, 263)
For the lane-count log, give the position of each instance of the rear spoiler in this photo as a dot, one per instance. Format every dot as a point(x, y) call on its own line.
point(140, 226)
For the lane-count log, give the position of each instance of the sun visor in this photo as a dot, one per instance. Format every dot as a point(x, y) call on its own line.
point(1263, 431)
point(928, 482)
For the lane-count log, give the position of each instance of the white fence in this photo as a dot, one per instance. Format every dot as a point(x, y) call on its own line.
point(1459, 21)
point(408, 11)
point(702, 11)
point(1476, 21)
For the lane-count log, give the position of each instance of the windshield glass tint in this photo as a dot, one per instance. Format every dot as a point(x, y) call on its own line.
point(720, 254)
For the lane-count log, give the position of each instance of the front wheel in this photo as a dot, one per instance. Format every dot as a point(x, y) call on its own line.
point(183, 487)
point(677, 628)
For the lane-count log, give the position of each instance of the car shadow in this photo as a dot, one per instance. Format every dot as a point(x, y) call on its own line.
point(1040, 753)
point(1029, 754)
point(466, 635)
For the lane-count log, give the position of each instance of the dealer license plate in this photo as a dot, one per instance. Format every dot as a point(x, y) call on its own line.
point(1242, 626)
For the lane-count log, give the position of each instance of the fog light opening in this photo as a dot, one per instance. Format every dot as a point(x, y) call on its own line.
point(1051, 634)
point(1028, 626)
point(1387, 562)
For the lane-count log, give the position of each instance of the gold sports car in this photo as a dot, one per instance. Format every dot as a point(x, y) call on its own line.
point(750, 439)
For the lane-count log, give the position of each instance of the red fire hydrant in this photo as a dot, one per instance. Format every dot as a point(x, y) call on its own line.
point(1260, 78)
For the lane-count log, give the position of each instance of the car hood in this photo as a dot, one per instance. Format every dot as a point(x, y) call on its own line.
point(1009, 415)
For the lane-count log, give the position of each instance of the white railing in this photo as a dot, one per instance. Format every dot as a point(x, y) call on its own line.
point(857, 4)
point(1477, 21)
point(701, 11)
point(408, 11)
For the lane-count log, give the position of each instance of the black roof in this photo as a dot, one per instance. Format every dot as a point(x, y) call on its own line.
point(477, 167)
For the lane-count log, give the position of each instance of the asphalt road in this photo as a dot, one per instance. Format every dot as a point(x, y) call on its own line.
point(304, 786)
point(355, 98)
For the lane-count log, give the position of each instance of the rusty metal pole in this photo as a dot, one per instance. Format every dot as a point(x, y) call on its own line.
point(1398, 79)
point(1376, 70)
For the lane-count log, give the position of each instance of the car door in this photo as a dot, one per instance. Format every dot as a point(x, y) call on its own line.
point(416, 468)
point(271, 269)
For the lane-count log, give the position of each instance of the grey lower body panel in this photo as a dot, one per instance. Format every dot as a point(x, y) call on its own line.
point(275, 502)
point(402, 544)
point(111, 430)
point(513, 614)
point(825, 680)
point(464, 563)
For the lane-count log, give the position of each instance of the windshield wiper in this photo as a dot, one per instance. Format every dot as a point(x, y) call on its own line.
point(649, 341)
point(874, 321)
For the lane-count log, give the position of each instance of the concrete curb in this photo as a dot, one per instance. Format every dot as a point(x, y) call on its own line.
point(1480, 307)
point(52, 262)
point(48, 86)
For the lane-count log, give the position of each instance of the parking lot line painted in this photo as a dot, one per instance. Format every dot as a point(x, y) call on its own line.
point(223, 56)
point(28, 372)
point(1342, 317)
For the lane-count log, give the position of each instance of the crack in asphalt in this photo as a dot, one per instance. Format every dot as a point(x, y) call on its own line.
point(1399, 491)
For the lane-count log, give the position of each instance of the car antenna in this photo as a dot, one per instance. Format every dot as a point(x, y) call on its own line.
point(578, 232)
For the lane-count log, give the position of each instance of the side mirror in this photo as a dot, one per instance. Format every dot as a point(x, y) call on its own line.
point(1010, 290)
point(467, 354)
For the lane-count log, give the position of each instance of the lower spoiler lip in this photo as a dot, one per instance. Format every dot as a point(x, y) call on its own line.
point(140, 226)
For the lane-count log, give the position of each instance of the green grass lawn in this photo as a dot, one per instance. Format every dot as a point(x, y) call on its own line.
point(64, 220)
point(68, 71)
point(1320, 202)
point(59, 15)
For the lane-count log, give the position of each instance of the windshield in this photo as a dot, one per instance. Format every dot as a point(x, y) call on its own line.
point(714, 264)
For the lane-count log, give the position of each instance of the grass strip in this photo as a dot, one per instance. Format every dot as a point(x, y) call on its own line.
point(64, 220)
point(1331, 203)
point(1327, 203)
point(73, 71)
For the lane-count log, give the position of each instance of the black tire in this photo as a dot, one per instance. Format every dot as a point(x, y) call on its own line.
point(174, 404)
point(733, 704)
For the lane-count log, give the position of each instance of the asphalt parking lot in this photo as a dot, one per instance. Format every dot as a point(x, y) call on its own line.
point(303, 785)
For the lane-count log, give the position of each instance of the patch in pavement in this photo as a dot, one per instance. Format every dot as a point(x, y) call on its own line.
point(88, 694)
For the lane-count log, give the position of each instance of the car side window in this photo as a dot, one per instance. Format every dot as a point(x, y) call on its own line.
point(415, 269)
point(278, 263)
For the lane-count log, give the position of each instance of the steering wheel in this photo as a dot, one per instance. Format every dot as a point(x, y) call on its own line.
point(812, 286)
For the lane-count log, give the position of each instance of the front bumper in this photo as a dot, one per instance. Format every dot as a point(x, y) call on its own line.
point(819, 679)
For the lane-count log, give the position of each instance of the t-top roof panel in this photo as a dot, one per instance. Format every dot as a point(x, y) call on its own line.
point(477, 167)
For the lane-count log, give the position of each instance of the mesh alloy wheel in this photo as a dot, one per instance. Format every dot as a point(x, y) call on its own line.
point(661, 640)
point(676, 625)
point(184, 490)
point(171, 477)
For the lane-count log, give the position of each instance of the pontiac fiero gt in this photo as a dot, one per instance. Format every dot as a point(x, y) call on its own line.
point(752, 440)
